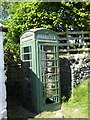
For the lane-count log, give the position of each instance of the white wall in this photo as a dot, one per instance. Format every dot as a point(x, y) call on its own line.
point(3, 112)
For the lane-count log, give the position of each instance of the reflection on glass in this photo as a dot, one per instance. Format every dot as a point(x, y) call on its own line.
point(49, 72)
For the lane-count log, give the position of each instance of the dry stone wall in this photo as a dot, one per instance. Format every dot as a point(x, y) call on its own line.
point(80, 68)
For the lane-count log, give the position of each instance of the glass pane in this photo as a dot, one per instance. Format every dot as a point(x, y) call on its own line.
point(26, 49)
point(50, 56)
point(49, 73)
point(49, 63)
point(26, 57)
point(48, 48)
point(26, 64)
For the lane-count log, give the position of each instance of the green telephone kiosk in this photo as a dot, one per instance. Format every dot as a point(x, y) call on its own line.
point(40, 68)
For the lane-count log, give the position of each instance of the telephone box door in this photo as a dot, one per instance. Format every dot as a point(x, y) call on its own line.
point(49, 74)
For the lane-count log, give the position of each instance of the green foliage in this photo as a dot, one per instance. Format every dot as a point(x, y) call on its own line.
point(77, 107)
point(64, 99)
point(12, 52)
point(54, 15)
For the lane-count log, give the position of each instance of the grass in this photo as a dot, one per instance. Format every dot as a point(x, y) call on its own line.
point(76, 107)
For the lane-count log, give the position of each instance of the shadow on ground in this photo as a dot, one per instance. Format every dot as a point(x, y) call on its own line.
point(15, 110)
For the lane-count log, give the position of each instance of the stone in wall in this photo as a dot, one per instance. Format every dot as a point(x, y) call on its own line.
point(80, 68)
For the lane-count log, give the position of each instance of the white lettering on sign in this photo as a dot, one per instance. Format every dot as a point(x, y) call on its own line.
point(47, 37)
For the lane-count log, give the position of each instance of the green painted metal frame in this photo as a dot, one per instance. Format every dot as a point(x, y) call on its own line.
point(55, 105)
point(37, 91)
